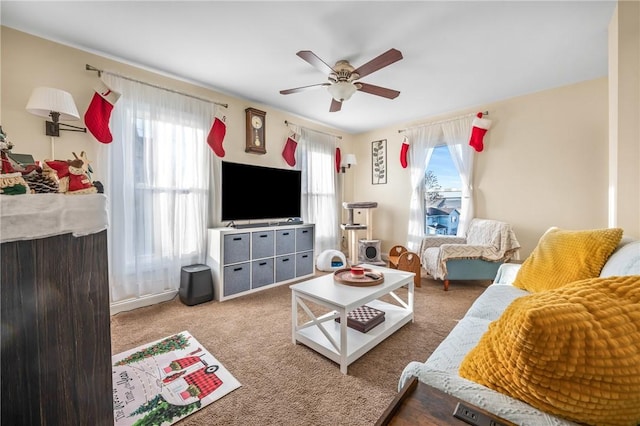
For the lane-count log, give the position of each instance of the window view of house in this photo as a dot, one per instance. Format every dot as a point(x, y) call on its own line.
point(442, 194)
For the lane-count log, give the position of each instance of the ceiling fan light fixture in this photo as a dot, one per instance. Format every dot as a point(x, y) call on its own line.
point(342, 90)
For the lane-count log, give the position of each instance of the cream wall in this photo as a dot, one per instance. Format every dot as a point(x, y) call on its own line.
point(29, 61)
point(544, 164)
point(624, 113)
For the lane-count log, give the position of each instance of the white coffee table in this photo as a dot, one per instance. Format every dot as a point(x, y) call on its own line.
point(336, 341)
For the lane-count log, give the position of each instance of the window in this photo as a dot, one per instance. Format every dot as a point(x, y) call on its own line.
point(320, 191)
point(166, 183)
point(319, 201)
point(158, 189)
point(443, 194)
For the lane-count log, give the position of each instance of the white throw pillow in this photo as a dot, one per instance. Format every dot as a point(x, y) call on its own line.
point(624, 261)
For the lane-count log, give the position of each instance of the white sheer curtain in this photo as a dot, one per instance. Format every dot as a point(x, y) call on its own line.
point(316, 160)
point(456, 135)
point(157, 186)
point(422, 140)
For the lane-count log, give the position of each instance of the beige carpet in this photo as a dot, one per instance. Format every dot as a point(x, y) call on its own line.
point(287, 384)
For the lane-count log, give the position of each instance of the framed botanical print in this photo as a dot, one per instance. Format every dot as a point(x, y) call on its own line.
point(379, 162)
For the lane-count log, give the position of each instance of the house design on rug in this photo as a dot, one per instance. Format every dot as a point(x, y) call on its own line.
point(191, 378)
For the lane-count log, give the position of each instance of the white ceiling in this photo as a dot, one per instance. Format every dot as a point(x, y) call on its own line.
point(457, 54)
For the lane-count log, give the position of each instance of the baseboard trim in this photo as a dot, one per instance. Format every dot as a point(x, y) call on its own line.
point(140, 302)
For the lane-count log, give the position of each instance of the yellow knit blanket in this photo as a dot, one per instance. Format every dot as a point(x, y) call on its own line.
point(573, 352)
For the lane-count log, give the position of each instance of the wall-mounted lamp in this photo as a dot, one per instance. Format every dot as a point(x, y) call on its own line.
point(57, 104)
point(348, 161)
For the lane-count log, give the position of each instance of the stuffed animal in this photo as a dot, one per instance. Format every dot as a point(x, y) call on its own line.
point(79, 182)
point(5, 146)
point(11, 181)
point(73, 176)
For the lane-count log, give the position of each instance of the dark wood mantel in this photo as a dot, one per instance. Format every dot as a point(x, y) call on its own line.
point(56, 341)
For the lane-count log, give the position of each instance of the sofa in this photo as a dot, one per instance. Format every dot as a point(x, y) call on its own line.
point(442, 369)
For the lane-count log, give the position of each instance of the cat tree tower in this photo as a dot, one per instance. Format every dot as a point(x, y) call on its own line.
point(364, 250)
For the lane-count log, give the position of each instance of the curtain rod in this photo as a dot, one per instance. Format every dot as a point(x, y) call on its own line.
point(441, 121)
point(99, 71)
point(313, 130)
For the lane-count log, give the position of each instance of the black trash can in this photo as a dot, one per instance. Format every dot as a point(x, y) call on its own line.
point(196, 284)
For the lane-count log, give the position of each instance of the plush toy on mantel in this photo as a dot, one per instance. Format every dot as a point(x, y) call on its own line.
point(11, 181)
point(73, 175)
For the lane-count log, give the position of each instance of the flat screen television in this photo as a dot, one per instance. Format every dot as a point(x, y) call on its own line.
point(254, 192)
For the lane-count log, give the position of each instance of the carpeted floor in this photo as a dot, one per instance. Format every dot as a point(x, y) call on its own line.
point(287, 384)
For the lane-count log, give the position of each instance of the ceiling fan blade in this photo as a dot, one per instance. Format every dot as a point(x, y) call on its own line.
point(318, 63)
point(387, 58)
point(379, 91)
point(335, 105)
point(303, 88)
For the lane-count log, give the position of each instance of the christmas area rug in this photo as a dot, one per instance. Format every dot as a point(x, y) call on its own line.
point(166, 380)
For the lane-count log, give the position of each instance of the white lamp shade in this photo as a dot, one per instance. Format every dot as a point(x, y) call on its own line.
point(44, 100)
point(342, 90)
point(348, 160)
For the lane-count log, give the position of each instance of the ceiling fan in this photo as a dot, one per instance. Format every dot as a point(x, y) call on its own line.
point(343, 77)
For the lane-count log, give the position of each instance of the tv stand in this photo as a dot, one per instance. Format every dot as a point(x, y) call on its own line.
point(245, 261)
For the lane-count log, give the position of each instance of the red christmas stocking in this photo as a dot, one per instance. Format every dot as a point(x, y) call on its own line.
point(99, 112)
point(338, 160)
point(479, 128)
point(404, 152)
point(217, 133)
point(289, 151)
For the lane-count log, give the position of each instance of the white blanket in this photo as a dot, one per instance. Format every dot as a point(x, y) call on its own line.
point(486, 239)
point(31, 216)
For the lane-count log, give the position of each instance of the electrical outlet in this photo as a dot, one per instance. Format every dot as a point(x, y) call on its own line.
point(466, 414)
point(474, 417)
